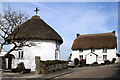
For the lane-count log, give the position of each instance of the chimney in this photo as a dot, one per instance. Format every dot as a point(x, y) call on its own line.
point(77, 34)
point(113, 32)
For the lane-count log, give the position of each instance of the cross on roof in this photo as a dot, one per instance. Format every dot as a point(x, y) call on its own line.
point(36, 10)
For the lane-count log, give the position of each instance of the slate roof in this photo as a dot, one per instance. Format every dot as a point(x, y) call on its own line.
point(35, 28)
point(97, 41)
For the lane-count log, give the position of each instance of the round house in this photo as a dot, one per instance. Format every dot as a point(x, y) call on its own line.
point(37, 39)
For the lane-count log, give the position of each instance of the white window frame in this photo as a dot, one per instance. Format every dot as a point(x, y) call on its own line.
point(80, 56)
point(80, 50)
point(104, 50)
point(104, 57)
point(92, 49)
point(20, 54)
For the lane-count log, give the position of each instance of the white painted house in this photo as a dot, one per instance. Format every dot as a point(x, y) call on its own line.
point(94, 47)
point(43, 41)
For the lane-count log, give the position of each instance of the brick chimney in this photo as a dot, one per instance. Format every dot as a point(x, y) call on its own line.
point(77, 35)
point(113, 32)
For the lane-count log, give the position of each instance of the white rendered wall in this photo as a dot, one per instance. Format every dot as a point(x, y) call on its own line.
point(111, 53)
point(90, 58)
point(45, 49)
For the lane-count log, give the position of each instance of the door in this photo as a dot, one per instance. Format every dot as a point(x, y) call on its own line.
point(9, 62)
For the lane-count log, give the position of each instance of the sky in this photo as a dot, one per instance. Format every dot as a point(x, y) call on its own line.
point(70, 18)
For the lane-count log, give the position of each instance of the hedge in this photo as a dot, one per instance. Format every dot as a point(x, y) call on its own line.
point(53, 62)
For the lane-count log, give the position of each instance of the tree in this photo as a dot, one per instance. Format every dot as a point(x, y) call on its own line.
point(10, 20)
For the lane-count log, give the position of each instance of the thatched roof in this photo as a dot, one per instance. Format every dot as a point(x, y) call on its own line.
point(35, 28)
point(97, 41)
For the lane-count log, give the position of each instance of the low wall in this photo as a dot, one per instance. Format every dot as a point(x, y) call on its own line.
point(41, 68)
point(0, 67)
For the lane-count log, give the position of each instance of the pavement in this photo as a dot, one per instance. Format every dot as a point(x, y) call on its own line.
point(32, 76)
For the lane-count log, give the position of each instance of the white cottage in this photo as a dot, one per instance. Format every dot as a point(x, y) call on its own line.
point(43, 41)
point(94, 47)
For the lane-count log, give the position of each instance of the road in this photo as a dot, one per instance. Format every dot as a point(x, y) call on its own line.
point(106, 71)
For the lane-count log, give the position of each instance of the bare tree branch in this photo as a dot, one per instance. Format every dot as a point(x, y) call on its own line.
point(10, 20)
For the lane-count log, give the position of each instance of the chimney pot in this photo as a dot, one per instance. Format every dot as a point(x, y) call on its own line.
point(77, 34)
point(114, 32)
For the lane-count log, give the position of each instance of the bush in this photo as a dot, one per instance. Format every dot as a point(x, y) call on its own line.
point(87, 64)
point(95, 63)
point(107, 62)
point(113, 60)
point(53, 62)
point(102, 63)
point(83, 61)
point(21, 66)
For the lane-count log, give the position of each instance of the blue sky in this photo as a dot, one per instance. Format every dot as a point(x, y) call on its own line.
point(70, 18)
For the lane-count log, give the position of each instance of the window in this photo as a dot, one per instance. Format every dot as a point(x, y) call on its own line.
point(80, 50)
point(104, 57)
point(104, 50)
point(56, 55)
point(20, 54)
point(92, 50)
point(81, 56)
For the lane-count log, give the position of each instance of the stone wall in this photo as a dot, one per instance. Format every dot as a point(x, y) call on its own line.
point(0, 67)
point(43, 69)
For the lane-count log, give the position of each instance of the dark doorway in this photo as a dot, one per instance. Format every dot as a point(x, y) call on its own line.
point(9, 62)
point(76, 61)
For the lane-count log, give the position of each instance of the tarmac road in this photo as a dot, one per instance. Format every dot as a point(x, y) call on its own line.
point(106, 72)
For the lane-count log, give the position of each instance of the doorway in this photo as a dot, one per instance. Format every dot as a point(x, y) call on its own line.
point(9, 62)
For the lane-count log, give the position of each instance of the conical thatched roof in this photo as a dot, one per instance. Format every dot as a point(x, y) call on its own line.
point(97, 41)
point(35, 28)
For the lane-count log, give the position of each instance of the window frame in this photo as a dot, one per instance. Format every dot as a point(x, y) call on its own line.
point(104, 50)
point(92, 49)
point(80, 50)
point(104, 57)
point(80, 56)
point(20, 54)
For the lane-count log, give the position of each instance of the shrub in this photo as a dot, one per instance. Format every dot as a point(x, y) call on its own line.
point(83, 61)
point(95, 63)
point(87, 64)
point(53, 62)
point(80, 65)
point(102, 63)
point(21, 66)
point(113, 60)
point(107, 62)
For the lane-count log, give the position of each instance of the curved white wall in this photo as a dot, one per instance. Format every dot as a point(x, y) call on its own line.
point(43, 48)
